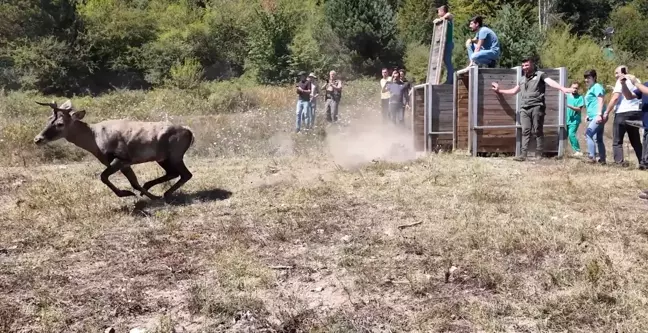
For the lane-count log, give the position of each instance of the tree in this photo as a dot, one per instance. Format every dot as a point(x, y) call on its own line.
point(269, 54)
point(415, 21)
point(518, 34)
point(629, 31)
point(368, 29)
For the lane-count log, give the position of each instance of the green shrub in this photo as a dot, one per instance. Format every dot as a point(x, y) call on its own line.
point(186, 75)
point(416, 61)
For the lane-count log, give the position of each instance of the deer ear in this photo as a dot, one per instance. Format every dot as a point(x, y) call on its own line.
point(65, 106)
point(78, 115)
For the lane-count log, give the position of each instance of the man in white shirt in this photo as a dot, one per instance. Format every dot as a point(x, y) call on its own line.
point(384, 94)
point(629, 108)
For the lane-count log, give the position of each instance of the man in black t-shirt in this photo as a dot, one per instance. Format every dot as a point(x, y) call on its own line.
point(408, 87)
point(303, 99)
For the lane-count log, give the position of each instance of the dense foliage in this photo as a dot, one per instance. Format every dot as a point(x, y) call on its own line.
point(90, 46)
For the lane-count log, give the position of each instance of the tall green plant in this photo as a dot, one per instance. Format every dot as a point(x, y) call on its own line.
point(415, 19)
point(577, 54)
point(269, 53)
point(368, 29)
point(517, 33)
point(630, 33)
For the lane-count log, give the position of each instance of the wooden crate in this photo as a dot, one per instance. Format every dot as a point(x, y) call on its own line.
point(440, 117)
point(486, 122)
point(432, 117)
point(418, 116)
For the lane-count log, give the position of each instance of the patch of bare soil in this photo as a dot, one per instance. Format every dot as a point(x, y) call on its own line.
point(367, 242)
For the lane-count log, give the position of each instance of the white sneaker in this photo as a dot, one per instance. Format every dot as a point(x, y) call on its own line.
point(578, 154)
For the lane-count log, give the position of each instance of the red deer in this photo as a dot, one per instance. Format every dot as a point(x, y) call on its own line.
point(120, 143)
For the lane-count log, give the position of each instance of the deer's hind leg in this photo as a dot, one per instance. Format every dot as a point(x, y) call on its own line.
point(171, 173)
point(132, 179)
point(185, 175)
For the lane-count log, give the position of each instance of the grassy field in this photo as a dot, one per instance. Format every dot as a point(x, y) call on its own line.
point(343, 229)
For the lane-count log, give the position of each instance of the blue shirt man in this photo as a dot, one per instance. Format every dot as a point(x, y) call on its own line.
point(484, 49)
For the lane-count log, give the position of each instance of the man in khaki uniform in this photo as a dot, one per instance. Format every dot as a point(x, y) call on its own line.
point(532, 108)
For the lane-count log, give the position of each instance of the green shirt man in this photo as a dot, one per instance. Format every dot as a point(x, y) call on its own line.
point(575, 104)
point(574, 101)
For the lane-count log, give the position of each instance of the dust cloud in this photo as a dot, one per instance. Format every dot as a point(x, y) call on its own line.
point(363, 142)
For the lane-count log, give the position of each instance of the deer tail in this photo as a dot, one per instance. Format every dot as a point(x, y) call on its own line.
point(191, 134)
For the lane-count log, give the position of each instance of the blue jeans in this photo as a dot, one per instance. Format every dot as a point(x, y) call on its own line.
point(303, 109)
point(594, 136)
point(447, 60)
point(310, 115)
point(482, 57)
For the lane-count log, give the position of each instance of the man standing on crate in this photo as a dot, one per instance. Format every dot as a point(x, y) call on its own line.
point(532, 109)
point(444, 14)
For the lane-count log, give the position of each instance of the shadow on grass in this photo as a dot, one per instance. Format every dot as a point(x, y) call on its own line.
point(143, 206)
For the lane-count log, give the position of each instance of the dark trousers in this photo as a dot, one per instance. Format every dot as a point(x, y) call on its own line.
point(397, 113)
point(644, 149)
point(532, 120)
point(384, 111)
point(620, 129)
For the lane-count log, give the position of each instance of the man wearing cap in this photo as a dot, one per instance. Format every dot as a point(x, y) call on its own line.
point(310, 116)
point(303, 98)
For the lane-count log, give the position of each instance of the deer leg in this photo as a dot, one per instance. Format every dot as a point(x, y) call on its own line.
point(185, 175)
point(132, 179)
point(112, 168)
point(171, 173)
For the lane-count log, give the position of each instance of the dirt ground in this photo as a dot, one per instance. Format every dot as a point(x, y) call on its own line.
point(364, 237)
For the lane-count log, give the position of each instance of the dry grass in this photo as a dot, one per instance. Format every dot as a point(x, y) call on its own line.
point(307, 238)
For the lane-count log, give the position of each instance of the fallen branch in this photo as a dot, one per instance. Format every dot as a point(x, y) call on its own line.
point(280, 267)
point(400, 227)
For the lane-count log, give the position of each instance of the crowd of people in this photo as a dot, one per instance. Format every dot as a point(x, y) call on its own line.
point(308, 91)
point(629, 100)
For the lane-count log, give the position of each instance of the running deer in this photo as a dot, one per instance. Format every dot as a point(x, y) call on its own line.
point(120, 143)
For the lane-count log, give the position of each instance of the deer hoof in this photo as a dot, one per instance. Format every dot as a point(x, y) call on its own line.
point(151, 196)
point(125, 193)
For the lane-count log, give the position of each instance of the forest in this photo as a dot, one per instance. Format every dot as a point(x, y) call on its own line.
point(90, 47)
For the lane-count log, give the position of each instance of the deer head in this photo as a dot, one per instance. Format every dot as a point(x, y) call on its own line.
point(59, 123)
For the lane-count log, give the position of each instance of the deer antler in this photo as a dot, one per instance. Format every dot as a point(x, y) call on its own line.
point(52, 105)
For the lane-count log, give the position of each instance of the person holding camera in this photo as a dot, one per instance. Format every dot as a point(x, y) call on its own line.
point(628, 108)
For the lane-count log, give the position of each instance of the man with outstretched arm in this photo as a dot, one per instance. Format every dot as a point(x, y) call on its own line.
point(532, 109)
